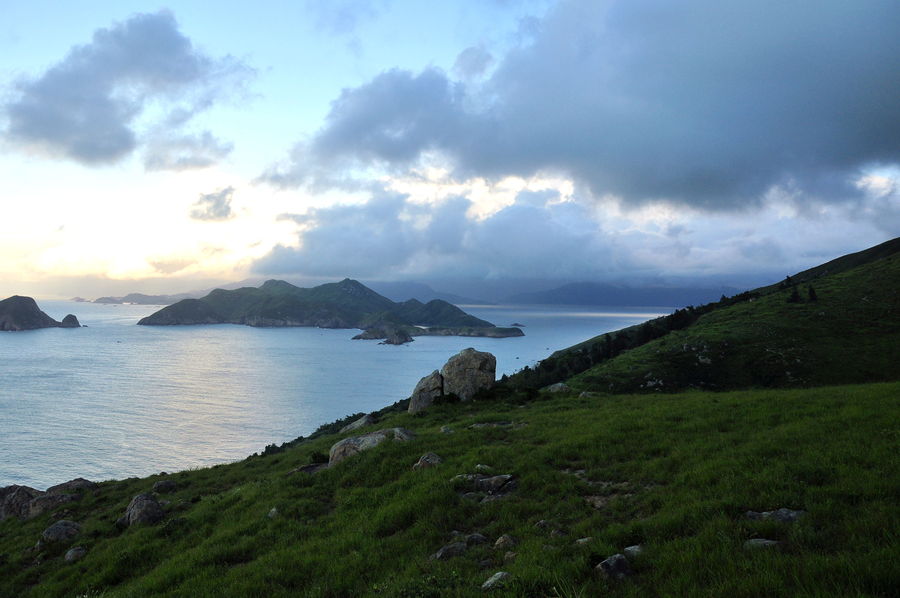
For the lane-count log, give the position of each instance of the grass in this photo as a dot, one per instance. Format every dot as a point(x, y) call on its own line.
point(674, 472)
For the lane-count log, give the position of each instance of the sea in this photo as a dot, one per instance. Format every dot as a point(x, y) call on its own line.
point(114, 400)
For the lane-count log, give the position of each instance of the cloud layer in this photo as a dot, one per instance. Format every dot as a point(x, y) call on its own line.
point(214, 206)
point(86, 107)
point(709, 104)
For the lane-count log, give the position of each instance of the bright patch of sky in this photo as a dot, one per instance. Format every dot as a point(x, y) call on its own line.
point(566, 140)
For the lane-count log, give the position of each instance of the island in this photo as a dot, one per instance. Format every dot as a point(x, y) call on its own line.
point(22, 313)
point(345, 304)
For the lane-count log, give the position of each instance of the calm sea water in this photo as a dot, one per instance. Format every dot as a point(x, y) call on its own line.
point(115, 400)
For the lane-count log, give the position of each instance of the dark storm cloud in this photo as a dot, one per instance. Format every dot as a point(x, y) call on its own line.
point(214, 206)
point(85, 107)
point(708, 103)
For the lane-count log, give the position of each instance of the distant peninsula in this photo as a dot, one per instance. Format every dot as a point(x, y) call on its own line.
point(23, 313)
point(142, 299)
point(345, 304)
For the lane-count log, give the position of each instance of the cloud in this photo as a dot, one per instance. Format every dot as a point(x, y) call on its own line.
point(343, 17)
point(185, 152)
point(708, 104)
point(472, 62)
point(214, 206)
point(87, 106)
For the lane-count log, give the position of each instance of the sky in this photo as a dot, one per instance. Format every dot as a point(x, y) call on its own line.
point(167, 148)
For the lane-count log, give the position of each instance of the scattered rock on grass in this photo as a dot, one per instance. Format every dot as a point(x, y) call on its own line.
point(309, 469)
point(615, 567)
point(74, 554)
point(495, 581)
point(446, 430)
point(428, 460)
point(273, 513)
point(505, 542)
point(164, 486)
point(76, 485)
point(357, 444)
point(476, 538)
point(48, 502)
point(367, 420)
point(143, 509)
point(583, 541)
point(467, 372)
point(449, 551)
point(633, 551)
point(14, 501)
point(558, 387)
point(61, 532)
point(782, 515)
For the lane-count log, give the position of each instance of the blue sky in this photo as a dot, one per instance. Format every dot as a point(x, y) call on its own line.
point(166, 147)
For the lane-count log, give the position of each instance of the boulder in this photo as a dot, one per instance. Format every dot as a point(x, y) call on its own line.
point(143, 509)
point(633, 551)
point(75, 553)
point(164, 486)
point(476, 538)
point(781, 515)
point(467, 372)
point(558, 387)
point(615, 567)
point(357, 444)
point(492, 484)
point(505, 542)
point(428, 460)
point(495, 581)
point(72, 486)
point(61, 532)
point(449, 551)
point(49, 502)
point(426, 391)
point(15, 500)
point(367, 420)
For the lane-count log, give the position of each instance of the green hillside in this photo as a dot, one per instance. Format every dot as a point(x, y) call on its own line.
point(847, 331)
point(673, 473)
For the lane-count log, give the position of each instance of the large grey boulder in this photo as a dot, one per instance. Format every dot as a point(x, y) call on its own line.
point(426, 391)
point(76, 485)
point(449, 551)
point(49, 502)
point(143, 509)
point(15, 501)
point(467, 372)
point(367, 420)
point(61, 532)
point(357, 444)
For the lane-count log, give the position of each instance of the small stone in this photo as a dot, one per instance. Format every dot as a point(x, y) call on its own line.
point(493, 484)
point(756, 543)
point(587, 395)
point(164, 486)
point(505, 542)
point(510, 556)
point(450, 551)
point(446, 430)
point(557, 533)
point(428, 460)
point(482, 468)
point(486, 563)
point(61, 532)
point(583, 541)
point(542, 524)
point(75, 553)
point(615, 567)
point(633, 551)
point(558, 387)
point(497, 580)
point(781, 515)
point(273, 513)
point(366, 420)
point(476, 538)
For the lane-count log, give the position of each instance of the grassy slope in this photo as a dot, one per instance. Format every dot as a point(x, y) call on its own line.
point(851, 334)
point(692, 463)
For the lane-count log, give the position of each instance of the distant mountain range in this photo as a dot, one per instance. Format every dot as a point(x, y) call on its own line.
point(345, 304)
point(598, 293)
point(142, 299)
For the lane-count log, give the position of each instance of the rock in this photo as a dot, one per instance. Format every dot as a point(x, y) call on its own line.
point(446, 430)
point(61, 532)
point(143, 509)
point(557, 533)
point(476, 538)
point(426, 391)
point(396, 337)
point(76, 485)
point(633, 551)
point(450, 551)
point(782, 515)
point(583, 541)
point(587, 395)
point(467, 372)
point(558, 387)
point(482, 468)
point(75, 553)
point(756, 543)
point(164, 486)
point(357, 444)
point(15, 501)
point(273, 513)
point(494, 484)
point(505, 542)
point(428, 460)
point(367, 420)
point(615, 567)
point(495, 581)
point(49, 502)
point(70, 321)
point(510, 556)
